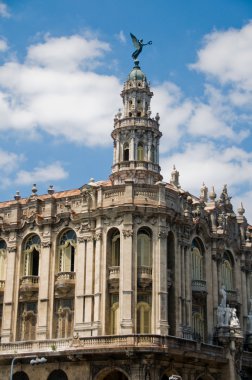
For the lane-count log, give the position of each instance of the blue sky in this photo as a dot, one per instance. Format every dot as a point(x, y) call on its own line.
point(62, 67)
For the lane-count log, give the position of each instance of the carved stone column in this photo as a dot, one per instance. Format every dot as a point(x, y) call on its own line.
point(160, 277)
point(79, 285)
point(43, 298)
point(9, 301)
point(126, 276)
point(97, 283)
point(89, 293)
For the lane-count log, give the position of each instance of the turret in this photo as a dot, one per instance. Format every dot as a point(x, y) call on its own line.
point(136, 135)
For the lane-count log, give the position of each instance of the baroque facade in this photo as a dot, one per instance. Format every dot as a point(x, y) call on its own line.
point(128, 278)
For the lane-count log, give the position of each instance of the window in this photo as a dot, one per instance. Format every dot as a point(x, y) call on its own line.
point(67, 246)
point(152, 153)
point(144, 249)
point(31, 256)
point(143, 318)
point(126, 152)
point(140, 152)
point(115, 260)
point(3, 257)
point(198, 324)
point(197, 251)
point(114, 314)
point(227, 272)
point(28, 319)
point(64, 317)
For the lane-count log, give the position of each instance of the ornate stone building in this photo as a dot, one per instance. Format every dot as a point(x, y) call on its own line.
point(128, 278)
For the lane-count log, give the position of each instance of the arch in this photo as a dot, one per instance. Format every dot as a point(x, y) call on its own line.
point(115, 374)
point(125, 152)
point(66, 251)
point(57, 374)
point(31, 251)
point(144, 247)
point(205, 376)
point(140, 151)
point(20, 375)
point(166, 375)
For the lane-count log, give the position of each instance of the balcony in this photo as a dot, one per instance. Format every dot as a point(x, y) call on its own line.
point(114, 275)
point(199, 286)
point(144, 276)
point(232, 297)
point(64, 282)
point(28, 286)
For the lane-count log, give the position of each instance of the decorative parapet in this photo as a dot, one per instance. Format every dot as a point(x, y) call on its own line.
point(144, 276)
point(199, 286)
point(64, 282)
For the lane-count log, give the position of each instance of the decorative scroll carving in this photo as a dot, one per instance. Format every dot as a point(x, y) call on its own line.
point(127, 233)
point(46, 244)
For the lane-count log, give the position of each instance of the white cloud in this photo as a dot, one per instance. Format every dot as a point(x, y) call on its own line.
point(4, 12)
point(3, 45)
point(227, 55)
point(53, 171)
point(121, 37)
point(54, 91)
point(215, 166)
point(9, 161)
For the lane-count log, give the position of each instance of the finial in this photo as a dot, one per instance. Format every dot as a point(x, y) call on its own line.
point(241, 210)
point(50, 190)
point(203, 192)
point(17, 196)
point(157, 117)
point(34, 190)
point(175, 177)
point(212, 194)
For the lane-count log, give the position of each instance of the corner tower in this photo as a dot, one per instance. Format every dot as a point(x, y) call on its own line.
point(136, 135)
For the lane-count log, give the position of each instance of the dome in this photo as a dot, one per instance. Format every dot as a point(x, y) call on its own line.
point(136, 73)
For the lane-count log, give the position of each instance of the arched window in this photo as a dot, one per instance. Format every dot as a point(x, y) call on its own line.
point(143, 318)
point(64, 317)
point(3, 257)
point(57, 374)
point(115, 259)
point(227, 275)
point(67, 246)
point(126, 152)
point(20, 375)
point(31, 256)
point(144, 248)
point(197, 261)
point(140, 152)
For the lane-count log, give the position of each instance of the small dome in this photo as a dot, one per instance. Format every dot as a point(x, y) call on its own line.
point(136, 73)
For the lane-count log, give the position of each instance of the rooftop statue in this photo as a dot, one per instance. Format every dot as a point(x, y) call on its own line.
point(138, 45)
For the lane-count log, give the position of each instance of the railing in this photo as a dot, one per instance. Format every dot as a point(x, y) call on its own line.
point(65, 276)
point(29, 280)
point(137, 121)
point(199, 286)
point(118, 342)
point(114, 273)
point(232, 296)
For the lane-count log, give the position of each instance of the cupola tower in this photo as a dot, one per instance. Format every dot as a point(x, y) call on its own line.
point(136, 134)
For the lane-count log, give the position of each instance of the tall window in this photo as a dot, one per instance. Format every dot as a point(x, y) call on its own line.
point(67, 246)
point(152, 153)
point(3, 257)
point(115, 259)
point(64, 317)
point(27, 321)
point(114, 314)
point(197, 261)
point(126, 152)
point(144, 248)
point(140, 152)
point(198, 323)
point(31, 256)
point(227, 272)
point(143, 318)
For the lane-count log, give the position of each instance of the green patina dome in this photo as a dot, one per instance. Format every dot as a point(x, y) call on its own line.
point(136, 73)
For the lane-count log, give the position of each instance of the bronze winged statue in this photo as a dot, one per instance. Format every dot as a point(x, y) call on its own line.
point(138, 45)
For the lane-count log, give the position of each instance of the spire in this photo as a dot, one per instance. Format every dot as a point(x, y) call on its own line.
point(175, 177)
